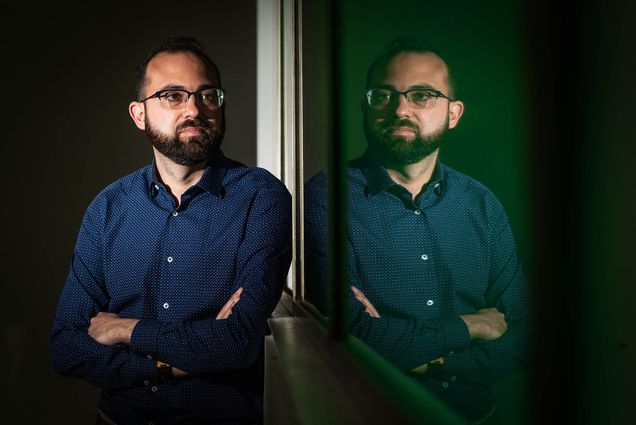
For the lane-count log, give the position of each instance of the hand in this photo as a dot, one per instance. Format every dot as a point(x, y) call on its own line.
point(368, 307)
point(110, 329)
point(227, 308)
point(421, 369)
point(488, 324)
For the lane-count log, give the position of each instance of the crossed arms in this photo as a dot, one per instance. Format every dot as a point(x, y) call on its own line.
point(110, 329)
point(487, 324)
point(115, 350)
point(479, 346)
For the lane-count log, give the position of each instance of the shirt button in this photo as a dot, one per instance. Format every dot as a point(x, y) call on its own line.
point(175, 213)
point(156, 187)
point(444, 384)
point(450, 353)
point(149, 357)
point(453, 378)
point(146, 383)
point(166, 305)
point(424, 257)
point(429, 303)
point(154, 389)
point(418, 212)
point(169, 259)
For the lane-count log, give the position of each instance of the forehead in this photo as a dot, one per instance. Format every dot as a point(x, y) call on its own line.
point(179, 69)
point(408, 69)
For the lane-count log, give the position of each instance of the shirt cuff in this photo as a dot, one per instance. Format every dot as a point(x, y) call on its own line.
point(455, 331)
point(142, 369)
point(459, 365)
point(145, 336)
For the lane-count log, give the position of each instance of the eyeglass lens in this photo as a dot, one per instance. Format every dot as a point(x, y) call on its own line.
point(177, 99)
point(381, 98)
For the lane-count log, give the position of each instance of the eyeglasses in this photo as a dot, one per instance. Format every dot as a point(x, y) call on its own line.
point(210, 98)
point(417, 98)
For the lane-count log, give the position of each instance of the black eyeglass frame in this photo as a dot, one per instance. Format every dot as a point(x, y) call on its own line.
point(435, 93)
point(220, 93)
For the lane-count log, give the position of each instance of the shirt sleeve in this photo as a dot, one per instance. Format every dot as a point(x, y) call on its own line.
point(263, 259)
point(72, 351)
point(489, 361)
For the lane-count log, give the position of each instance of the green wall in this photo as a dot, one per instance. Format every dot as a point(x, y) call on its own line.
point(485, 47)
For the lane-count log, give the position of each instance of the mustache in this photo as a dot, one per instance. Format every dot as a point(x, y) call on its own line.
point(196, 123)
point(400, 122)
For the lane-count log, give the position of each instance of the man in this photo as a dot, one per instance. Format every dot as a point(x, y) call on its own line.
point(178, 265)
point(437, 287)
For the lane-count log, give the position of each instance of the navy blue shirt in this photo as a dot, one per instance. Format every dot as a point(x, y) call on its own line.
point(422, 264)
point(141, 256)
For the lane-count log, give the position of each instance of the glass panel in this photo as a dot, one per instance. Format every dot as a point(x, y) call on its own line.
point(429, 247)
point(316, 71)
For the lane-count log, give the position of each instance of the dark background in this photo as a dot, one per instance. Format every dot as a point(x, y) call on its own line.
point(67, 77)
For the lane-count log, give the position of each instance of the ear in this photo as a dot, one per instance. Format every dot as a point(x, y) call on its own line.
point(455, 111)
point(137, 111)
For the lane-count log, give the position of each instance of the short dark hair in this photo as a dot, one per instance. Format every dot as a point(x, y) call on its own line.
point(415, 45)
point(171, 45)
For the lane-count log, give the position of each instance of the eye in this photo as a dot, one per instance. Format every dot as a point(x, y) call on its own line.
point(420, 96)
point(173, 96)
point(210, 96)
point(381, 95)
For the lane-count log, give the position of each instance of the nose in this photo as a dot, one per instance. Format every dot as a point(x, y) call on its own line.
point(191, 106)
point(402, 109)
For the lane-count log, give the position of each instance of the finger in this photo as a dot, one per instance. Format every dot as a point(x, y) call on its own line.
point(235, 298)
point(227, 308)
point(368, 307)
point(224, 313)
point(358, 294)
point(372, 311)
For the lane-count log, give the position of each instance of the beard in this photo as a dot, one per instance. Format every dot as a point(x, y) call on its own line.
point(398, 149)
point(191, 151)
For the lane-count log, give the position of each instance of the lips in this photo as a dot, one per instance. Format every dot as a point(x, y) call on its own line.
point(195, 130)
point(193, 126)
point(402, 129)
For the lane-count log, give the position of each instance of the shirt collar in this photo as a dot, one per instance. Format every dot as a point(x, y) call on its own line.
point(378, 179)
point(211, 181)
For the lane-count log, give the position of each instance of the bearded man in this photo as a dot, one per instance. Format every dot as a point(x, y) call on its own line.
point(178, 265)
point(436, 284)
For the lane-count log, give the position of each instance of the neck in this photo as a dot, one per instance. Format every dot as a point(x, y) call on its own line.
point(178, 178)
point(412, 176)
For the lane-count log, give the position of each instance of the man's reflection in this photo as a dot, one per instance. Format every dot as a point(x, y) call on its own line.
point(436, 284)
